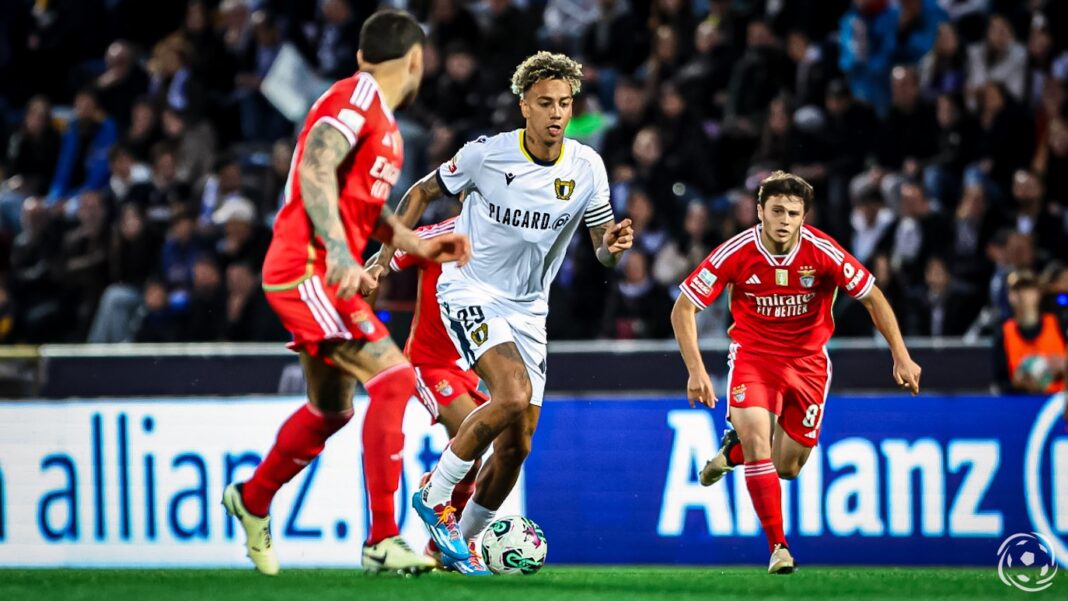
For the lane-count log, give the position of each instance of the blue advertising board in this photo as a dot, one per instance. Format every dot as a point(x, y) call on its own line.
point(895, 480)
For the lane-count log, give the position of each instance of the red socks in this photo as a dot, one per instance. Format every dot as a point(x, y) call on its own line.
point(763, 483)
point(734, 455)
point(383, 444)
point(300, 440)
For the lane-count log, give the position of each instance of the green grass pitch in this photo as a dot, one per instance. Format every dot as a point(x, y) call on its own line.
point(565, 583)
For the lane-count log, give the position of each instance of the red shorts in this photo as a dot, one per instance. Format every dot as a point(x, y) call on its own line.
point(313, 314)
point(795, 389)
point(439, 385)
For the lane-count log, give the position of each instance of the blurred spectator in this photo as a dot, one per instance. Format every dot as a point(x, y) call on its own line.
point(210, 61)
point(680, 256)
point(83, 154)
point(1051, 162)
point(510, 38)
point(631, 114)
point(180, 251)
point(336, 40)
point(636, 304)
point(121, 83)
point(650, 235)
point(870, 220)
point(260, 121)
point(812, 72)
point(974, 225)
point(276, 177)
point(1005, 137)
point(868, 39)
point(678, 16)
point(687, 153)
point(173, 83)
point(942, 69)
point(194, 145)
point(1032, 217)
point(910, 131)
point(84, 261)
point(35, 276)
point(705, 78)
point(450, 22)
point(462, 97)
point(615, 41)
point(224, 182)
point(132, 257)
point(156, 320)
point(940, 308)
point(999, 58)
point(206, 317)
point(130, 181)
point(958, 136)
point(917, 27)
point(664, 61)
point(563, 20)
point(919, 234)
point(248, 316)
point(241, 240)
point(144, 130)
point(1029, 350)
point(167, 191)
point(30, 161)
point(849, 134)
point(756, 80)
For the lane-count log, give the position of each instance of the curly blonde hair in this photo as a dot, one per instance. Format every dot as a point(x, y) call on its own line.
point(546, 65)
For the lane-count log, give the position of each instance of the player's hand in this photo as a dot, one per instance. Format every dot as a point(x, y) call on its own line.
point(620, 237)
point(370, 283)
point(448, 247)
point(699, 390)
point(907, 375)
point(347, 274)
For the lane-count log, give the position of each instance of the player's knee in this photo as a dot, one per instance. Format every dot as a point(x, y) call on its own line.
point(788, 472)
point(513, 399)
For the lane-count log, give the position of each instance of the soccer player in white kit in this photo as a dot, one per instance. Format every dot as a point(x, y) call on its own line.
point(526, 192)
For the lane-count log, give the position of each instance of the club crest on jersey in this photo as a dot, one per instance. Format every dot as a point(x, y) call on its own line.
point(738, 393)
point(564, 188)
point(444, 388)
point(363, 321)
point(807, 276)
point(782, 277)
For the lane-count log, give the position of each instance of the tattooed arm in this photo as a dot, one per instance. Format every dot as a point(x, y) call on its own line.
point(325, 148)
point(409, 210)
point(610, 240)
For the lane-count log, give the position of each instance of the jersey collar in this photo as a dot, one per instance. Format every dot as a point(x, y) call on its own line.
point(534, 159)
point(378, 92)
point(778, 260)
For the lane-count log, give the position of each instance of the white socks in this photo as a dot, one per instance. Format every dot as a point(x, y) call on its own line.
point(475, 519)
point(450, 470)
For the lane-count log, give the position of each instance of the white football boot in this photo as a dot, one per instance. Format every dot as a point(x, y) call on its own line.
point(718, 466)
point(782, 562)
point(257, 531)
point(394, 555)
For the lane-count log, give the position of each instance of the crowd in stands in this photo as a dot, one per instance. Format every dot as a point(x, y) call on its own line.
point(143, 162)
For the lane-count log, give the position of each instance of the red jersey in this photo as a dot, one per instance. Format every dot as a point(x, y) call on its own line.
point(781, 304)
point(428, 344)
point(355, 107)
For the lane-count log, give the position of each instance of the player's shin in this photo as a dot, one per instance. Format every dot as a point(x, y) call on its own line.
point(763, 483)
point(300, 440)
point(383, 445)
point(465, 488)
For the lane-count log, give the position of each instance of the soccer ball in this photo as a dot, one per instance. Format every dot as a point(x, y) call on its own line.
point(514, 545)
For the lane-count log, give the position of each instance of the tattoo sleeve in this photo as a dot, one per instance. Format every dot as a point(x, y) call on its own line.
point(409, 210)
point(597, 233)
point(325, 148)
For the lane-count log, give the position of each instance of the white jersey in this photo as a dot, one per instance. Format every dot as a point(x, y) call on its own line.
point(520, 214)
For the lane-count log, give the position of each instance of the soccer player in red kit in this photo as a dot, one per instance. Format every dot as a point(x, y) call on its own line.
point(782, 278)
point(447, 391)
point(348, 157)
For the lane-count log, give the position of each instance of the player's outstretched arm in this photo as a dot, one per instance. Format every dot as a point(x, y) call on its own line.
point(325, 149)
point(684, 322)
point(410, 208)
point(610, 240)
point(442, 248)
point(906, 371)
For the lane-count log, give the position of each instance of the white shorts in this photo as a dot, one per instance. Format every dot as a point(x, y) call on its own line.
point(477, 322)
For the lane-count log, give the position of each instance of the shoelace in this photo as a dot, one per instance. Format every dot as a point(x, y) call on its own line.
point(446, 516)
point(267, 538)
